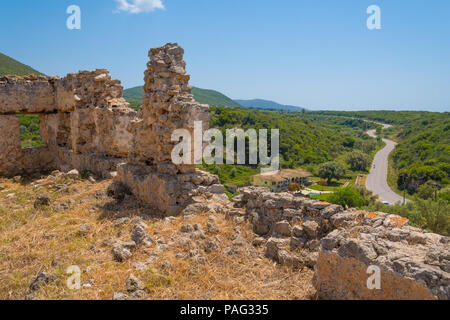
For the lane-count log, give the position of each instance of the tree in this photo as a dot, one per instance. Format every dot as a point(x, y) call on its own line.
point(425, 191)
point(294, 187)
point(379, 130)
point(331, 170)
point(347, 197)
point(358, 160)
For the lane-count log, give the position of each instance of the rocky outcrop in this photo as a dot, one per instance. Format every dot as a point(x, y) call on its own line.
point(341, 245)
point(414, 264)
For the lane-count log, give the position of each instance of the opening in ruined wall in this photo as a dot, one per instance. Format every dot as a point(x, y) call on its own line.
point(30, 134)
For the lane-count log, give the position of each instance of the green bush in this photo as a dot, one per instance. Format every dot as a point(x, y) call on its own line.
point(358, 161)
point(331, 170)
point(347, 197)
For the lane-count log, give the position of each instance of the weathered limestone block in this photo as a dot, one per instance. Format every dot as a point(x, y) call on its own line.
point(56, 130)
point(36, 160)
point(83, 130)
point(159, 190)
point(86, 89)
point(112, 131)
point(27, 94)
point(167, 193)
point(100, 165)
point(10, 145)
point(414, 264)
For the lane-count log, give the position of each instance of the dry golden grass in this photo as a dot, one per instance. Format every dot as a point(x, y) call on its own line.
point(37, 240)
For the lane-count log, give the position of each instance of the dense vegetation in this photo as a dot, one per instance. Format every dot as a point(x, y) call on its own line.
point(29, 131)
point(305, 140)
point(423, 154)
point(422, 157)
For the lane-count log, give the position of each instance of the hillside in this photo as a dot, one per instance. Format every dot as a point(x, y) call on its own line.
point(266, 104)
point(304, 141)
point(211, 97)
point(422, 156)
point(9, 66)
point(29, 124)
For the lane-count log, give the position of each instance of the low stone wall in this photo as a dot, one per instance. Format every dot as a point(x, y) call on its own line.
point(342, 244)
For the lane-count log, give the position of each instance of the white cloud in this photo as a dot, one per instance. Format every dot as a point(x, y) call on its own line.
point(138, 6)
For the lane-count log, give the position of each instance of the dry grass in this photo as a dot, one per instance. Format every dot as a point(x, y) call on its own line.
point(36, 240)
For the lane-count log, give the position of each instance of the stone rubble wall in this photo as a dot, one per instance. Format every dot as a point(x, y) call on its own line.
point(84, 122)
point(29, 94)
point(341, 244)
point(168, 104)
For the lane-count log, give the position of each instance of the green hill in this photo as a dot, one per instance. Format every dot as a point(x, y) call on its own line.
point(29, 124)
point(211, 97)
point(9, 66)
point(268, 105)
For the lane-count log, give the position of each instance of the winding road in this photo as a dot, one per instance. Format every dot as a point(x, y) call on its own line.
point(377, 178)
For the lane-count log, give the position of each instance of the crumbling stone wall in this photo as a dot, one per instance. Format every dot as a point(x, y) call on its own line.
point(168, 104)
point(86, 124)
point(341, 245)
point(83, 121)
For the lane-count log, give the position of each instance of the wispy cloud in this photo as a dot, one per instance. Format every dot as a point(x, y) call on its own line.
point(139, 6)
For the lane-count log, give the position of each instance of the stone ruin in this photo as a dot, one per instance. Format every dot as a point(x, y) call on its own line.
point(342, 244)
point(86, 124)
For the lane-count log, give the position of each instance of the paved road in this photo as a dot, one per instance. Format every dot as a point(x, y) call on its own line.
point(377, 178)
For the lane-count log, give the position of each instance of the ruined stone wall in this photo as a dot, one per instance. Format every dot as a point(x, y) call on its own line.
point(168, 104)
point(84, 122)
point(341, 244)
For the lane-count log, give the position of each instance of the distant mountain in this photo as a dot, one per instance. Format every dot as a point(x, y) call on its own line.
point(266, 104)
point(211, 97)
point(9, 66)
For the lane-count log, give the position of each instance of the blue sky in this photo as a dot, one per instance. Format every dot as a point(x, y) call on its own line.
point(315, 54)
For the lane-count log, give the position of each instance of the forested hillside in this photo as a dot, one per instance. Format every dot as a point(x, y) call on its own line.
point(211, 97)
point(421, 161)
point(9, 66)
point(267, 104)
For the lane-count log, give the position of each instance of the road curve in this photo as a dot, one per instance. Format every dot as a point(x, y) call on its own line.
point(377, 178)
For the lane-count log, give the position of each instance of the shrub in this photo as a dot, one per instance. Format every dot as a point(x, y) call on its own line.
point(347, 197)
point(331, 170)
point(358, 161)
